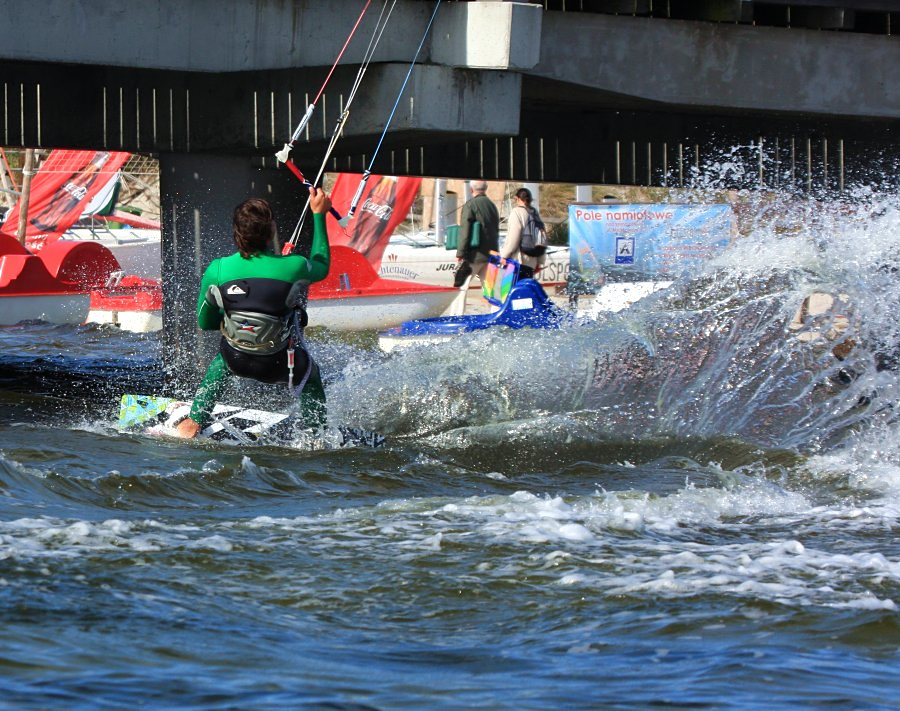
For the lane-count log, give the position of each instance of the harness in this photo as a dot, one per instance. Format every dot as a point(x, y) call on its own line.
point(260, 333)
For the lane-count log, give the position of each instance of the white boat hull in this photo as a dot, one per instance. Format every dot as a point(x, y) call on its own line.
point(136, 321)
point(52, 308)
point(138, 251)
point(345, 314)
point(436, 265)
point(367, 313)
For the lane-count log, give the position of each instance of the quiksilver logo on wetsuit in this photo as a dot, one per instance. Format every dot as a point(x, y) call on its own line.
point(235, 289)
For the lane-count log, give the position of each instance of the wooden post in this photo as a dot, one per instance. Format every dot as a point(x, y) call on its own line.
point(27, 172)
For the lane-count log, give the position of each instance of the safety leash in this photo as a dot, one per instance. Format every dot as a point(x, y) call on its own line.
point(297, 341)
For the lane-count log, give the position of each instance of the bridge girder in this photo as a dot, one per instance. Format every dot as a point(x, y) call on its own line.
point(611, 99)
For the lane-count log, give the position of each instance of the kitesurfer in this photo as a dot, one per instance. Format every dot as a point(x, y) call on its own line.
point(254, 297)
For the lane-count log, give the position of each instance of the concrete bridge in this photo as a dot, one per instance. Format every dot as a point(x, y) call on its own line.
point(627, 91)
point(640, 92)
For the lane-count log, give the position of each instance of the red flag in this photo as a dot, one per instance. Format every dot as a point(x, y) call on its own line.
point(62, 189)
point(384, 204)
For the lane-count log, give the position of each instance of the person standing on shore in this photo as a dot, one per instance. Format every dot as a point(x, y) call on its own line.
point(523, 217)
point(471, 254)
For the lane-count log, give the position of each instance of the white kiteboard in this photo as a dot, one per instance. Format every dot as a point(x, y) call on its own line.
point(155, 415)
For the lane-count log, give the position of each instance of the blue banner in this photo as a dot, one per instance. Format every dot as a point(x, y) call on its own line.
point(645, 242)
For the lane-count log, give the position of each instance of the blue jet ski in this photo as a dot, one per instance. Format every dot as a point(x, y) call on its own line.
point(523, 304)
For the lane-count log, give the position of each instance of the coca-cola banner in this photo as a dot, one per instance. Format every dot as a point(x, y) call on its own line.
point(61, 190)
point(384, 204)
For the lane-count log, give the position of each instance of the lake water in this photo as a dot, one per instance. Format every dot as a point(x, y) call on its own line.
point(685, 504)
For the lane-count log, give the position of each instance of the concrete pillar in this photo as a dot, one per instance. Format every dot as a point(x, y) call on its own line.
point(198, 194)
point(584, 193)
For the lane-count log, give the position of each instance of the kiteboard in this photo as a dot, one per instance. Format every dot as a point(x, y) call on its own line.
point(156, 415)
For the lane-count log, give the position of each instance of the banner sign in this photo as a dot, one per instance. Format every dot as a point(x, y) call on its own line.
point(637, 242)
point(63, 189)
point(384, 204)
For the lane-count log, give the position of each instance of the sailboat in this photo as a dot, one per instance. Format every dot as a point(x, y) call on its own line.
point(57, 280)
point(133, 238)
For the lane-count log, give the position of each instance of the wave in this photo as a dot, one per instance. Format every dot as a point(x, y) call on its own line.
point(744, 349)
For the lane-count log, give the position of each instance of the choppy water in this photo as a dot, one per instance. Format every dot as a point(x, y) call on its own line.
point(684, 504)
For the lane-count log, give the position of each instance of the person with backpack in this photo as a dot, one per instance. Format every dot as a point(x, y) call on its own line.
point(254, 297)
point(526, 237)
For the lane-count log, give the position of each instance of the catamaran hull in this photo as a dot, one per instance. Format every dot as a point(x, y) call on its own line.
point(52, 308)
point(138, 251)
point(372, 313)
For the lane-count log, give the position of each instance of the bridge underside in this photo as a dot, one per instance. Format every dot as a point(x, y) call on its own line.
point(661, 148)
point(562, 133)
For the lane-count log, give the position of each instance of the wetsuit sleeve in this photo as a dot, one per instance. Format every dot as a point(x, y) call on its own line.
point(212, 387)
point(208, 315)
point(320, 251)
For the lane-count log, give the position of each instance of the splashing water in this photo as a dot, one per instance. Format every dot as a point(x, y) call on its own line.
point(720, 353)
point(690, 502)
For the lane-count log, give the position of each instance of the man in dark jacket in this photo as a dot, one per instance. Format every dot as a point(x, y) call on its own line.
point(473, 258)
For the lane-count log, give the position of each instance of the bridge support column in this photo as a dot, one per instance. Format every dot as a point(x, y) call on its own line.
point(197, 196)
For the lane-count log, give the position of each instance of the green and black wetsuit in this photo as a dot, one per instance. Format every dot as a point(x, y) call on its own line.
point(260, 285)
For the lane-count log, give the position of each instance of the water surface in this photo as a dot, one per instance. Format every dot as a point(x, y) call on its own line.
point(684, 504)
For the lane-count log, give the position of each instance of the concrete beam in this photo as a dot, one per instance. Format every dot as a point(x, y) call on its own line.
point(246, 112)
point(441, 99)
point(704, 66)
point(512, 42)
point(253, 35)
point(205, 35)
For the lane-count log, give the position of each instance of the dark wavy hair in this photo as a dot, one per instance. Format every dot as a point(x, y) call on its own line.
point(253, 227)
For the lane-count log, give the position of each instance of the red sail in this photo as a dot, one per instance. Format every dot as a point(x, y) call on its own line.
point(61, 190)
point(384, 204)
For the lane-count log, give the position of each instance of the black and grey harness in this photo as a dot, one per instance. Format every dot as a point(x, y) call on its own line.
point(263, 317)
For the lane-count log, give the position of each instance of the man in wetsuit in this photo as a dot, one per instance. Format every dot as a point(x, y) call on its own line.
point(252, 297)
